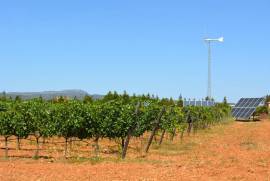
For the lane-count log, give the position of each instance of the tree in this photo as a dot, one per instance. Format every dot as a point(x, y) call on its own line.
point(125, 97)
point(225, 100)
point(110, 96)
point(180, 102)
point(18, 99)
point(267, 98)
point(3, 97)
point(87, 99)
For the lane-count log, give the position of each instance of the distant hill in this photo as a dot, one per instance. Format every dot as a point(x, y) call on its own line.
point(47, 95)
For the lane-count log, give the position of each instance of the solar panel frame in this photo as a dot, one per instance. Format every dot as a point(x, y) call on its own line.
point(244, 103)
point(245, 112)
point(193, 103)
point(259, 101)
point(198, 103)
point(252, 102)
point(205, 103)
point(240, 112)
point(246, 107)
point(248, 102)
point(239, 102)
point(211, 103)
point(233, 110)
point(249, 112)
point(237, 112)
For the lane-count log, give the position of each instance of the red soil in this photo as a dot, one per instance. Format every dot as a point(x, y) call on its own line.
point(235, 151)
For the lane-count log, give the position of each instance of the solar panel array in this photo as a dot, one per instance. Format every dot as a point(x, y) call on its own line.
point(245, 108)
point(199, 103)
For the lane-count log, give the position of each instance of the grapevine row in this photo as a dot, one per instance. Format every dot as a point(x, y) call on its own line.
point(113, 117)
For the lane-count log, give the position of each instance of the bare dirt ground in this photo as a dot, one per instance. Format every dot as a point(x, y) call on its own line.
point(232, 151)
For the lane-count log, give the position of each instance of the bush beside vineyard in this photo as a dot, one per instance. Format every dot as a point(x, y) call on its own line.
point(115, 116)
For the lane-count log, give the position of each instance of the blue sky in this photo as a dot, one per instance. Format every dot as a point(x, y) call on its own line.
point(139, 46)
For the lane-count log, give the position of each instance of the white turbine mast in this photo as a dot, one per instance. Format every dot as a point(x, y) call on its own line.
point(208, 41)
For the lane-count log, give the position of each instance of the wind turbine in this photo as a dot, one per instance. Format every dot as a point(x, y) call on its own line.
point(209, 41)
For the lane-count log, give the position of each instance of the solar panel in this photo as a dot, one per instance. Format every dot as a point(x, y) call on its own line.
point(192, 103)
point(211, 103)
point(239, 102)
point(204, 103)
point(246, 107)
point(199, 103)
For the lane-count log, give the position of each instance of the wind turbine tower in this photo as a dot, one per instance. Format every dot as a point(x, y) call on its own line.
point(209, 41)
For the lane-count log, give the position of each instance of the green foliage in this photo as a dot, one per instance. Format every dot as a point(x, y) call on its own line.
point(180, 102)
point(112, 117)
point(225, 100)
point(68, 119)
point(261, 110)
point(7, 123)
point(267, 98)
point(87, 99)
point(18, 99)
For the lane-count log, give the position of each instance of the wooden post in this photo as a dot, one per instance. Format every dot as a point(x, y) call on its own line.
point(70, 143)
point(161, 138)
point(173, 134)
point(124, 151)
point(122, 143)
point(37, 135)
point(6, 147)
point(96, 146)
point(130, 132)
point(37, 148)
point(154, 130)
point(190, 123)
point(18, 143)
point(44, 140)
point(182, 136)
point(66, 147)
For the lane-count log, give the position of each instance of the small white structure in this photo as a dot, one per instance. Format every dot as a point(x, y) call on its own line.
point(268, 105)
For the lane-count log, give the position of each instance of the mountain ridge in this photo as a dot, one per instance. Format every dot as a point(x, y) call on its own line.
point(47, 95)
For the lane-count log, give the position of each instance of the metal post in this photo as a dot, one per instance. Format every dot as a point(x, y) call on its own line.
point(208, 41)
point(209, 91)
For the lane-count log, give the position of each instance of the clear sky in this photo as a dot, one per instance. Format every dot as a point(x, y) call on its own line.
point(140, 46)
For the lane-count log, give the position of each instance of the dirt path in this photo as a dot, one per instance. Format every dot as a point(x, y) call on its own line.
point(237, 151)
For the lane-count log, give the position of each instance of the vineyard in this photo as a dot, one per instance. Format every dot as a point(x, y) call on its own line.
point(118, 118)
